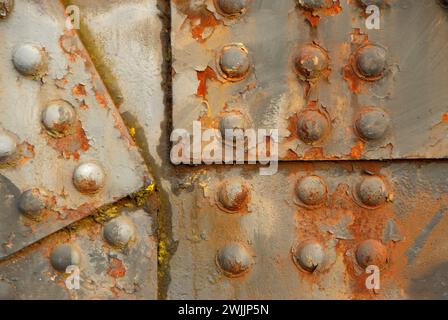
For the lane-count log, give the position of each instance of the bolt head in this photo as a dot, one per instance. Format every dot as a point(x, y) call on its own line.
point(58, 117)
point(6, 7)
point(89, 177)
point(119, 232)
point(231, 7)
point(234, 260)
point(30, 60)
point(371, 62)
point(312, 126)
point(371, 252)
point(232, 196)
point(311, 190)
point(372, 124)
point(8, 146)
point(34, 202)
point(309, 256)
point(372, 191)
point(234, 62)
point(65, 255)
point(311, 62)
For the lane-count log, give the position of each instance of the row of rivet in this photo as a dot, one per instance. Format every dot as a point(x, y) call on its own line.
point(311, 190)
point(118, 233)
point(57, 118)
point(234, 259)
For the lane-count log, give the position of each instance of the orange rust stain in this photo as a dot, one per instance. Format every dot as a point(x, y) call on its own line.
point(445, 117)
point(117, 269)
point(84, 105)
point(80, 212)
point(29, 154)
point(358, 37)
point(206, 21)
point(312, 19)
point(334, 10)
point(354, 83)
point(79, 90)
point(357, 150)
point(71, 144)
point(314, 153)
point(208, 73)
point(100, 98)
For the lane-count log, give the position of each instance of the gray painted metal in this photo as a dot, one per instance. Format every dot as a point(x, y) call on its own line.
point(46, 160)
point(273, 95)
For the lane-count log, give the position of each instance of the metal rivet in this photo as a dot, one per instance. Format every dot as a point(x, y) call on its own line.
point(6, 7)
point(119, 232)
point(234, 260)
point(309, 256)
point(89, 177)
point(371, 252)
point(311, 190)
point(234, 62)
point(34, 202)
point(312, 126)
point(30, 60)
point(311, 4)
point(311, 62)
point(372, 191)
point(65, 255)
point(231, 7)
point(8, 146)
point(58, 117)
point(232, 196)
point(7, 291)
point(372, 124)
point(371, 62)
point(232, 121)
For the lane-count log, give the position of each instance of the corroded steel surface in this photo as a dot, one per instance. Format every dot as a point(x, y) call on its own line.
point(307, 232)
point(296, 60)
point(403, 223)
point(72, 147)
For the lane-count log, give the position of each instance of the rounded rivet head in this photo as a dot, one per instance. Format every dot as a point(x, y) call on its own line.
point(30, 60)
point(119, 232)
point(8, 146)
point(231, 7)
point(234, 260)
point(311, 190)
point(89, 177)
point(58, 117)
point(309, 256)
point(312, 126)
point(311, 4)
point(6, 7)
point(34, 202)
point(371, 62)
point(65, 255)
point(7, 291)
point(372, 191)
point(232, 195)
point(234, 62)
point(372, 124)
point(371, 252)
point(232, 121)
point(311, 62)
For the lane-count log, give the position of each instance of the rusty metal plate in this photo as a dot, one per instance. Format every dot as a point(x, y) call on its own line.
point(242, 235)
point(333, 88)
point(64, 147)
point(111, 265)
